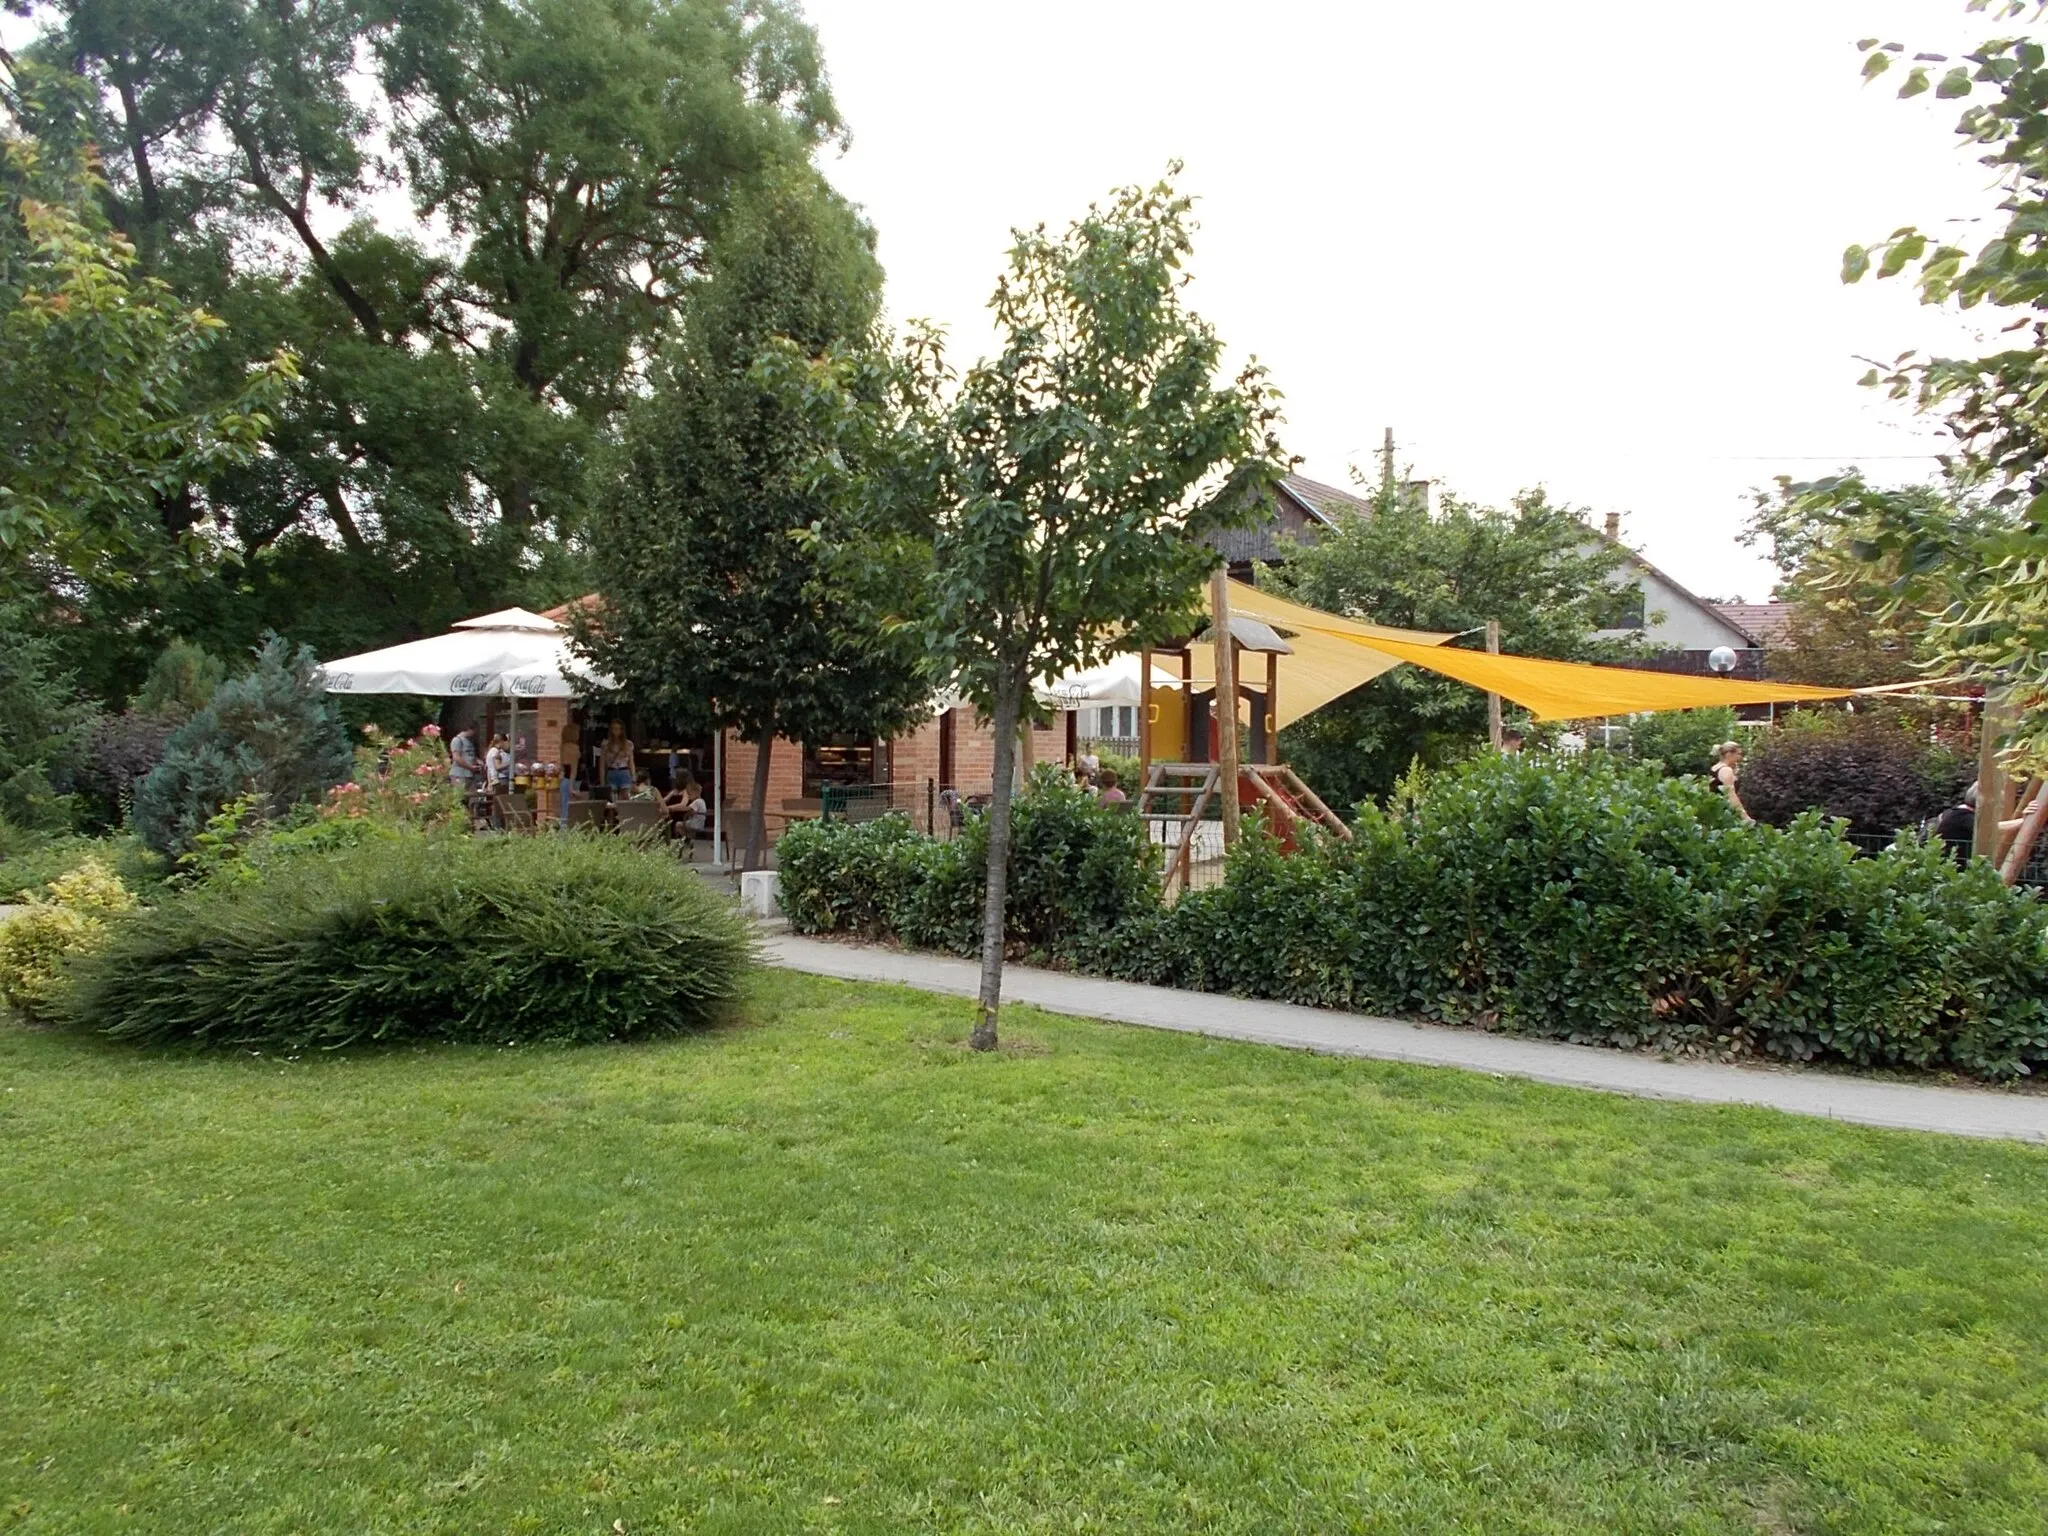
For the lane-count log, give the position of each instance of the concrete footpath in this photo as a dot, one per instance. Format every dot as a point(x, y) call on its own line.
point(1860, 1101)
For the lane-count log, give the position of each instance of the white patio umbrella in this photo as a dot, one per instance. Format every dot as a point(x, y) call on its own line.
point(1114, 681)
point(511, 654)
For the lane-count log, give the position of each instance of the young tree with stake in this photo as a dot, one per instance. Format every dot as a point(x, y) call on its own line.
point(1074, 475)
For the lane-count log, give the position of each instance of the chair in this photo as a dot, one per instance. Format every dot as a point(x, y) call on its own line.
point(643, 820)
point(593, 814)
point(515, 814)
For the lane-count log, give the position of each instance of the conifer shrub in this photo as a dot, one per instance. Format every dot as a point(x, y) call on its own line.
point(272, 732)
point(412, 936)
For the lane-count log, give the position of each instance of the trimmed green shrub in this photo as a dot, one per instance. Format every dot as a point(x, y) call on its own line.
point(1590, 900)
point(1680, 740)
point(273, 732)
point(68, 918)
point(30, 861)
point(417, 937)
point(1076, 869)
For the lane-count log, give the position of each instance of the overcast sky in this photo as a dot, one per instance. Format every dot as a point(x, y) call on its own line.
point(1590, 245)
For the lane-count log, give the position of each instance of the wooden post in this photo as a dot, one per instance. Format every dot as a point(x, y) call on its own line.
point(1144, 718)
point(1272, 706)
point(1493, 730)
point(1225, 711)
point(1990, 776)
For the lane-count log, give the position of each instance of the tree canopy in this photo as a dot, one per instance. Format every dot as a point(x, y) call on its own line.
point(474, 223)
point(721, 603)
point(1973, 582)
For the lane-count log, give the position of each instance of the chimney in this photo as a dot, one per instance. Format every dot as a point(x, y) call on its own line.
point(1614, 526)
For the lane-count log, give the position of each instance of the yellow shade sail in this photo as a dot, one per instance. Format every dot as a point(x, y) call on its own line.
point(1328, 655)
point(1571, 690)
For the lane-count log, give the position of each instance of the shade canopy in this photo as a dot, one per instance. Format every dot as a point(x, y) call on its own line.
point(512, 653)
point(1326, 656)
point(1571, 690)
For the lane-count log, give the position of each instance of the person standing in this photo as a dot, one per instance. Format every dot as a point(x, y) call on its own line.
point(498, 764)
point(462, 760)
point(1727, 776)
point(1110, 794)
point(1957, 826)
point(615, 760)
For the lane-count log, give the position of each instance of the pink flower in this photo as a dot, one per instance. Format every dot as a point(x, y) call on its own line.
point(419, 797)
point(431, 731)
point(350, 788)
point(426, 768)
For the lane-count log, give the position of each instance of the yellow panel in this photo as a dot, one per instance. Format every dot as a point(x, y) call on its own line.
point(1169, 725)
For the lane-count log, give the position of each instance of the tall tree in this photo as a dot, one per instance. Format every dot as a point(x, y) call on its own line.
point(105, 411)
point(1537, 567)
point(1976, 582)
point(474, 220)
point(722, 603)
point(1071, 478)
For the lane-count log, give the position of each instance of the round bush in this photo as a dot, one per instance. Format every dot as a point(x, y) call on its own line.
point(422, 938)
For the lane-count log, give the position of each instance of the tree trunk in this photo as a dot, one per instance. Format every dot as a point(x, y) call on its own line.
point(755, 830)
point(1009, 705)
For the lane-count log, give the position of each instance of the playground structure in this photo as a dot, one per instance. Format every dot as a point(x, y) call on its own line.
point(1195, 740)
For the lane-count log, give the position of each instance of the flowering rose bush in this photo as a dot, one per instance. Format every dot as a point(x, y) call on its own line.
point(402, 782)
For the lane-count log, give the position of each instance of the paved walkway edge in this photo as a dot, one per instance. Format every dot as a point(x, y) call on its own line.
point(1860, 1101)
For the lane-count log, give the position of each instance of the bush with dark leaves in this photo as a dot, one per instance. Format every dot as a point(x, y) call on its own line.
point(1874, 772)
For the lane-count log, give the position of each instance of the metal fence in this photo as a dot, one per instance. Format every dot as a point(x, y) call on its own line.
point(934, 811)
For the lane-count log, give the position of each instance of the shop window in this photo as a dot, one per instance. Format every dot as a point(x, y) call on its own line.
point(838, 760)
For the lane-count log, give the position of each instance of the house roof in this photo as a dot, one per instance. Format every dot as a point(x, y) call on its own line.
point(1322, 502)
point(1770, 623)
point(1716, 611)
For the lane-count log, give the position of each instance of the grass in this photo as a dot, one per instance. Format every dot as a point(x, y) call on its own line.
point(828, 1271)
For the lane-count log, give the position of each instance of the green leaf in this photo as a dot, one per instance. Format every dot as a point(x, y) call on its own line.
point(1916, 82)
point(1902, 252)
point(1855, 262)
point(1953, 84)
point(1876, 65)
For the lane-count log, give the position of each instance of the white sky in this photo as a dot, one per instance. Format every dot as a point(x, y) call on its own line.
point(1589, 244)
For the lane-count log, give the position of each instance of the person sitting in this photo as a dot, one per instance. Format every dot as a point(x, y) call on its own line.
point(1110, 794)
point(688, 815)
point(642, 789)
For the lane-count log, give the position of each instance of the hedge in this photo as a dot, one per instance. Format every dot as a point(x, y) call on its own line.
point(1588, 900)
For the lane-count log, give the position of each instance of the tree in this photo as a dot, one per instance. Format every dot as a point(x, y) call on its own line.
point(1072, 477)
point(99, 368)
point(563, 165)
point(1978, 583)
point(272, 732)
point(721, 604)
point(43, 723)
point(1537, 567)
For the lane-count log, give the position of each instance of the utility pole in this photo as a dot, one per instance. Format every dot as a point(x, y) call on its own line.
point(1387, 462)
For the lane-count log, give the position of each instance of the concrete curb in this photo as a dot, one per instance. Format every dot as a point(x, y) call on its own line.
point(1859, 1101)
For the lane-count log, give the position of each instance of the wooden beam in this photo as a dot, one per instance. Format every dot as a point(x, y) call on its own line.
point(1990, 776)
point(1144, 714)
point(1225, 709)
point(2025, 836)
point(1273, 707)
point(1493, 727)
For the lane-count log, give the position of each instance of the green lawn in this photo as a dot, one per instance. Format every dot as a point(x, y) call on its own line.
point(829, 1271)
